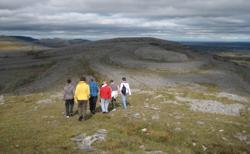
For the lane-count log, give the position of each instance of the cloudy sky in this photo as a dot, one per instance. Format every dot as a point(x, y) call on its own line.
point(187, 20)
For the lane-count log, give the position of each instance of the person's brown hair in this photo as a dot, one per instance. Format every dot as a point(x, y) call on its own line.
point(124, 79)
point(82, 78)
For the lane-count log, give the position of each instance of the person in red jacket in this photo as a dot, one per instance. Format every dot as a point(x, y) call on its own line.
point(105, 95)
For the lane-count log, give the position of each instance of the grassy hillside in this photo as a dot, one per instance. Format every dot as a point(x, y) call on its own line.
point(186, 104)
point(238, 58)
point(28, 126)
point(15, 43)
point(22, 43)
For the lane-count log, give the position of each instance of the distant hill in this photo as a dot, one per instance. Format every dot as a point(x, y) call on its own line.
point(219, 46)
point(57, 42)
point(53, 43)
point(17, 38)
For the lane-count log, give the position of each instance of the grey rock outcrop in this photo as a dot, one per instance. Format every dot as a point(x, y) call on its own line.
point(212, 106)
point(44, 101)
point(1, 99)
point(84, 142)
point(233, 97)
point(216, 107)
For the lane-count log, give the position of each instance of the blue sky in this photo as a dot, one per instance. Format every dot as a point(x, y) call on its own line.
point(181, 20)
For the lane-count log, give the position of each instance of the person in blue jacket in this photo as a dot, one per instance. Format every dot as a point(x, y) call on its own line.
point(94, 89)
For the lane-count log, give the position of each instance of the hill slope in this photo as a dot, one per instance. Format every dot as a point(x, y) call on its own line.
point(182, 101)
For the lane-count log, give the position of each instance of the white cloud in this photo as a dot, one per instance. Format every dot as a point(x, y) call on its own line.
point(211, 19)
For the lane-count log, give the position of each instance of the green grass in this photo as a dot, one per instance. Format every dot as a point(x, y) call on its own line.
point(235, 54)
point(27, 127)
point(210, 93)
point(242, 62)
point(4, 45)
point(89, 70)
point(19, 46)
point(38, 54)
point(239, 58)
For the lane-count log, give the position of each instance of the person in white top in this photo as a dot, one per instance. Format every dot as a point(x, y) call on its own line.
point(124, 91)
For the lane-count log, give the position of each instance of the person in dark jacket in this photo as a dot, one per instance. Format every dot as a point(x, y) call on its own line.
point(114, 93)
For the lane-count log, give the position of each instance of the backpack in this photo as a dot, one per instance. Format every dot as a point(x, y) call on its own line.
point(124, 90)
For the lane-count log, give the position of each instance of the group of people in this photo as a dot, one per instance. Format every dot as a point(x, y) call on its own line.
point(85, 92)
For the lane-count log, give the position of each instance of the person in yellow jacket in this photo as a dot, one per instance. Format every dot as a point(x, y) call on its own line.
point(82, 94)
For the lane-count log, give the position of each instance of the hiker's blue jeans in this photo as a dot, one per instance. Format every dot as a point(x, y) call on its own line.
point(124, 101)
point(104, 105)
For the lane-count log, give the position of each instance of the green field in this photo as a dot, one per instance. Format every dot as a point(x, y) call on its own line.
point(27, 126)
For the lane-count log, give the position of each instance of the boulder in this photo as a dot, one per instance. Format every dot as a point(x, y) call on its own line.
point(233, 97)
point(1, 99)
point(155, 152)
point(44, 101)
point(155, 117)
point(84, 142)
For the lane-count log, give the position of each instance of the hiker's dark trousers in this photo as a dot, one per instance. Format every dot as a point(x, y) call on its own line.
point(82, 108)
point(92, 104)
point(113, 102)
point(69, 105)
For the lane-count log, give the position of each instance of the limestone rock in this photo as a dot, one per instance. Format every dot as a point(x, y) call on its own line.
point(233, 97)
point(1, 99)
point(136, 115)
point(155, 152)
point(216, 107)
point(170, 102)
point(158, 96)
point(212, 106)
point(152, 106)
point(241, 137)
point(200, 122)
point(78, 138)
point(177, 129)
point(144, 130)
point(57, 95)
point(155, 117)
point(84, 142)
point(177, 117)
point(204, 147)
point(44, 101)
point(142, 147)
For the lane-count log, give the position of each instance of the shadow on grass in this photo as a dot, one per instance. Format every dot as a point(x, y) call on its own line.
point(87, 117)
